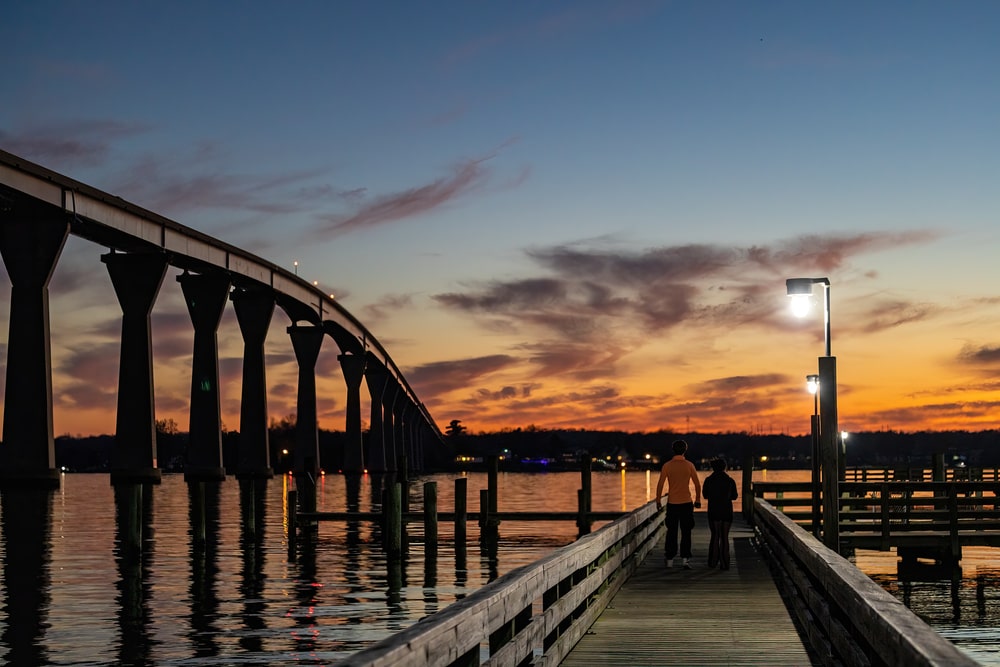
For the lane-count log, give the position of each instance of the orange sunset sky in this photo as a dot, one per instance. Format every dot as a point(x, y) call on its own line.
point(568, 215)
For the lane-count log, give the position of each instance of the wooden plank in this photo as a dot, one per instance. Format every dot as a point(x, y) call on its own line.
point(700, 616)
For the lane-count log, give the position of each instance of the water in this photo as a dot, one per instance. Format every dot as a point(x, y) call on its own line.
point(70, 598)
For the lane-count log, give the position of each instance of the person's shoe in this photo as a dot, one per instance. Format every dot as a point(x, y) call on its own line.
point(687, 564)
point(670, 562)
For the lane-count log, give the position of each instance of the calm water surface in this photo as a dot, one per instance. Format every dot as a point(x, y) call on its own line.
point(71, 598)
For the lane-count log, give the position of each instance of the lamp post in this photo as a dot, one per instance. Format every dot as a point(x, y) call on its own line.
point(812, 385)
point(801, 289)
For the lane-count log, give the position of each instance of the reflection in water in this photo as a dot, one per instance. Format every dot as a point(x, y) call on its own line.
point(253, 494)
point(27, 524)
point(134, 558)
point(204, 549)
point(239, 599)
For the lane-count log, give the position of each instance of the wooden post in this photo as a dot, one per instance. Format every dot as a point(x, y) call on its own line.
point(937, 467)
point(290, 518)
point(394, 522)
point(583, 495)
point(430, 518)
point(461, 510)
point(748, 488)
point(491, 483)
point(484, 509)
point(582, 518)
point(886, 525)
point(956, 546)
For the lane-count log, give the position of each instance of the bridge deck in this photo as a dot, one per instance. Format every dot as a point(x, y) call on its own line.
point(698, 616)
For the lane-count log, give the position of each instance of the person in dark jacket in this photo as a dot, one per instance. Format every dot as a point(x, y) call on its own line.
point(719, 490)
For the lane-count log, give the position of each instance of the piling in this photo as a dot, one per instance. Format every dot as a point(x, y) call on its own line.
point(583, 498)
point(748, 488)
point(461, 511)
point(394, 522)
point(430, 519)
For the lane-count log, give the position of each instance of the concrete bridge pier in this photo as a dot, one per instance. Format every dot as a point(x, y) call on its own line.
point(389, 398)
point(254, 309)
point(30, 246)
point(376, 376)
point(399, 430)
point(206, 296)
point(137, 278)
point(353, 366)
point(306, 341)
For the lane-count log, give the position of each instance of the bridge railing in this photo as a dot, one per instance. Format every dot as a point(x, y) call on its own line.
point(880, 514)
point(847, 617)
point(532, 615)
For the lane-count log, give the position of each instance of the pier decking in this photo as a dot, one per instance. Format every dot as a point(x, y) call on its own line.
point(696, 617)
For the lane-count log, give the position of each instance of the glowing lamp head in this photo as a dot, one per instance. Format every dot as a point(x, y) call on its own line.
point(812, 383)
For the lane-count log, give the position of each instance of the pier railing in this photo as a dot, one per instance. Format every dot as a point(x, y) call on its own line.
point(932, 519)
point(532, 615)
point(847, 617)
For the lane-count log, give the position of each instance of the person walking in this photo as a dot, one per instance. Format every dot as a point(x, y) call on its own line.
point(679, 474)
point(720, 492)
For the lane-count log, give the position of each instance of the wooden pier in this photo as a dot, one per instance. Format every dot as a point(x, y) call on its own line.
point(700, 616)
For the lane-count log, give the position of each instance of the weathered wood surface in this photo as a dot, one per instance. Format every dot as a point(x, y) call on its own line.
point(851, 607)
point(700, 616)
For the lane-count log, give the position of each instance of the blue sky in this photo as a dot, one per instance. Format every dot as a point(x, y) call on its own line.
point(563, 213)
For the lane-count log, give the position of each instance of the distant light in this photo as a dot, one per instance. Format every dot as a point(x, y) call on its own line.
point(648, 457)
point(812, 383)
point(763, 459)
point(843, 435)
point(331, 296)
point(315, 283)
point(284, 451)
point(623, 464)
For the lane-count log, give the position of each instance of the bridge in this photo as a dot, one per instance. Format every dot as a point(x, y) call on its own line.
point(40, 208)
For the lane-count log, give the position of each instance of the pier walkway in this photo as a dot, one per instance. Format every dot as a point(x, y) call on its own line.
point(696, 617)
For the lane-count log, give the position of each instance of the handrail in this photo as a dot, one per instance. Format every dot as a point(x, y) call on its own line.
point(847, 616)
point(547, 605)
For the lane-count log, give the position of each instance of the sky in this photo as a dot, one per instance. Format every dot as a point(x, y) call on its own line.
point(561, 214)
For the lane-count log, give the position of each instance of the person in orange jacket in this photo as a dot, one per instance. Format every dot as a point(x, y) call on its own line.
point(679, 473)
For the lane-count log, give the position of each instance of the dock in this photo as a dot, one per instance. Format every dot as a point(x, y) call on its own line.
point(700, 616)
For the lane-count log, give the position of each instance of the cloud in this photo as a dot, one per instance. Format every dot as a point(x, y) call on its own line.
point(465, 178)
point(984, 355)
point(890, 314)
point(730, 386)
point(386, 306)
point(175, 185)
point(69, 143)
point(442, 377)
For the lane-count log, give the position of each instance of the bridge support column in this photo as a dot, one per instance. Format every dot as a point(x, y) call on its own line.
point(206, 296)
point(353, 366)
point(376, 377)
point(306, 341)
point(30, 247)
point(137, 279)
point(399, 431)
point(253, 312)
point(389, 430)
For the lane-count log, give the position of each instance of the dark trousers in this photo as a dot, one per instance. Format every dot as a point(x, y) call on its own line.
point(718, 546)
point(679, 515)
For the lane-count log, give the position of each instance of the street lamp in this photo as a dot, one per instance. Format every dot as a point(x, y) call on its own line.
point(802, 289)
